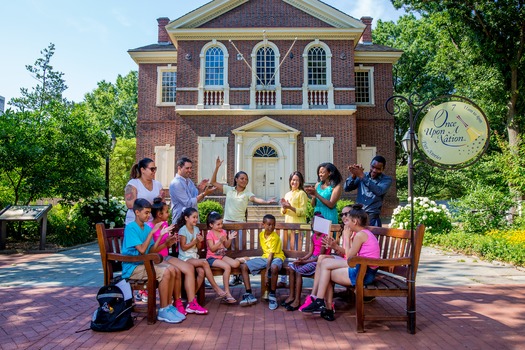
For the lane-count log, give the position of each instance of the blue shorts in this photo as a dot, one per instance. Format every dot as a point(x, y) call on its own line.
point(211, 260)
point(369, 276)
point(255, 265)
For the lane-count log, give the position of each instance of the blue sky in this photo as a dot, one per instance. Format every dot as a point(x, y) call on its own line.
point(92, 37)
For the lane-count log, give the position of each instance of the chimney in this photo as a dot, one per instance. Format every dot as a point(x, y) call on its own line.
point(164, 38)
point(366, 38)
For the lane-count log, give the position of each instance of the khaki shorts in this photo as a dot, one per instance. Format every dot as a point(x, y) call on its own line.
point(139, 273)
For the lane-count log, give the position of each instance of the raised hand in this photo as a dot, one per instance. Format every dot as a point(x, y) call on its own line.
point(218, 162)
point(232, 234)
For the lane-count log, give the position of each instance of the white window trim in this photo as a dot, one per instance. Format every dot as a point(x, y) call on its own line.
point(160, 70)
point(329, 85)
point(202, 74)
point(277, 78)
point(370, 71)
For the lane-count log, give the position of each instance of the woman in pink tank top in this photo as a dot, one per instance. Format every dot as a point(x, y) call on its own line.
point(362, 243)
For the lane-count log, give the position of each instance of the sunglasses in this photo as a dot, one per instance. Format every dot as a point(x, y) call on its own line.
point(345, 214)
point(153, 169)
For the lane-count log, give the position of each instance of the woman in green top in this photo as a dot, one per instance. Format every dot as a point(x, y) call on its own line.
point(327, 191)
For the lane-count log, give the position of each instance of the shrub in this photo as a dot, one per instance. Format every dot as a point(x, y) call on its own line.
point(66, 229)
point(436, 218)
point(97, 210)
point(207, 207)
point(483, 209)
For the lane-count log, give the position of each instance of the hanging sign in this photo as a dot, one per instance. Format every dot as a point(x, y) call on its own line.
point(453, 134)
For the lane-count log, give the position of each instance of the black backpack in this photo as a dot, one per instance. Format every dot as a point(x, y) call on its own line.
point(114, 313)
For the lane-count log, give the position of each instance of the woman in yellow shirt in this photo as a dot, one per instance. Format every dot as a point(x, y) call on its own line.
point(293, 205)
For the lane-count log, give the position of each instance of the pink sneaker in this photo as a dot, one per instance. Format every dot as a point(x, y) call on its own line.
point(308, 301)
point(195, 308)
point(180, 307)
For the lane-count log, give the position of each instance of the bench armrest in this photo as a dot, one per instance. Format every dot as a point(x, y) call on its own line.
point(365, 262)
point(153, 257)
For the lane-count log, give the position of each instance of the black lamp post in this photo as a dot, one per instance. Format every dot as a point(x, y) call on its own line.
point(113, 143)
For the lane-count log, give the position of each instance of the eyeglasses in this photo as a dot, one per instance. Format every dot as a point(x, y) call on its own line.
point(345, 214)
point(153, 169)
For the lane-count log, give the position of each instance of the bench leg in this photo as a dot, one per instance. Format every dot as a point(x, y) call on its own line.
point(152, 302)
point(359, 311)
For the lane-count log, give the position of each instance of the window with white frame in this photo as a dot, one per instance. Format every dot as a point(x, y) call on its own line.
point(317, 66)
point(166, 86)
point(364, 85)
point(214, 74)
point(265, 66)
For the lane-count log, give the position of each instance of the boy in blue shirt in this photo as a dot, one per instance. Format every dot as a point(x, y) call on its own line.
point(271, 260)
point(138, 240)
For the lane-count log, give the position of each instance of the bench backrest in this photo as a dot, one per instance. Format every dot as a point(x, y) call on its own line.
point(109, 241)
point(295, 238)
point(395, 243)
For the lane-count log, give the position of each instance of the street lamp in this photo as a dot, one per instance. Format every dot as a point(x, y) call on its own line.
point(113, 143)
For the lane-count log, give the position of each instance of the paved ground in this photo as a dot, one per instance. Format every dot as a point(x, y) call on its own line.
point(48, 299)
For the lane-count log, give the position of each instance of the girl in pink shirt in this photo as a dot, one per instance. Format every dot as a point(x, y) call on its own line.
point(217, 241)
point(304, 266)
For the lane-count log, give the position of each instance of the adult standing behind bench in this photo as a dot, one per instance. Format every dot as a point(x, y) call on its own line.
point(236, 203)
point(142, 185)
point(327, 191)
point(371, 187)
point(183, 192)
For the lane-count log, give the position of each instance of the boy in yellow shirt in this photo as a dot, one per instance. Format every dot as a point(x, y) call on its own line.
point(271, 260)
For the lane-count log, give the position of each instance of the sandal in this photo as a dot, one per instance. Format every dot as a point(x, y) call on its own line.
point(221, 295)
point(285, 304)
point(229, 299)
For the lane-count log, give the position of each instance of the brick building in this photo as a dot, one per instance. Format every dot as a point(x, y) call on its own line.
point(270, 86)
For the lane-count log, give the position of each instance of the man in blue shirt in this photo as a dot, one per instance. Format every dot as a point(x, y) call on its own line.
point(183, 192)
point(371, 187)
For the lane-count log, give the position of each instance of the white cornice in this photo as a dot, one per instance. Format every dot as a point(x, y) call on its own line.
point(376, 57)
point(191, 111)
point(271, 34)
point(154, 57)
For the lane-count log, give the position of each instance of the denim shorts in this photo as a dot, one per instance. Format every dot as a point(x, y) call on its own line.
point(211, 260)
point(369, 276)
point(255, 265)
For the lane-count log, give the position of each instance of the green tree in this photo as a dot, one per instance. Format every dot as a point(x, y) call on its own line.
point(122, 159)
point(115, 105)
point(49, 147)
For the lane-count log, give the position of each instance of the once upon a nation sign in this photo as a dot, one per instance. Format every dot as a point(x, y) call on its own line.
point(453, 134)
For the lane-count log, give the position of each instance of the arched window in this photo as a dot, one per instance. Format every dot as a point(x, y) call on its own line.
point(317, 66)
point(265, 66)
point(214, 70)
point(265, 152)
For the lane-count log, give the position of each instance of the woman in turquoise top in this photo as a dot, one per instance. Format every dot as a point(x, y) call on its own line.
point(327, 191)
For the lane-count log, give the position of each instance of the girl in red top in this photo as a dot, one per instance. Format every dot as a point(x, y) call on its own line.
point(217, 241)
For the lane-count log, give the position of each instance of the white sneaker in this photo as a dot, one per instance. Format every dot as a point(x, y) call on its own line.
point(165, 315)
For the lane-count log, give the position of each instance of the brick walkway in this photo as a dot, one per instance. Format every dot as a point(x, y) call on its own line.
point(40, 315)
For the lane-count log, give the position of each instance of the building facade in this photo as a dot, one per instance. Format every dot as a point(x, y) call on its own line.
point(269, 86)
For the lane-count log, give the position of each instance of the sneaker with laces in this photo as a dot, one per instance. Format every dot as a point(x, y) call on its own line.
point(251, 299)
point(244, 301)
point(180, 307)
point(142, 295)
point(273, 302)
point(308, 301)
point(328, 314)
point(176, 313)
point(235, 280)
point(165, 315)
point(317, 306)
point(195, 308)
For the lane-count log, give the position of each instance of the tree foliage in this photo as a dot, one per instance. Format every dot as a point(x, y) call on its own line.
point(115, 105)
point(121, 160)
point(49, 147)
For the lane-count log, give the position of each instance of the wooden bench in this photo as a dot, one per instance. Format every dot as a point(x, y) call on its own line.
point(110, 245)
point(397, 268)
point(295, 239)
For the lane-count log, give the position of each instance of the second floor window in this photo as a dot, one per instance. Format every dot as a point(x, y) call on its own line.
point(265, 69)
point(316, 66)
point(363, 90)
point(169, 87)
point(214, 67)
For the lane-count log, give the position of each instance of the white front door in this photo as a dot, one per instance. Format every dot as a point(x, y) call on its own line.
point(265, 180)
